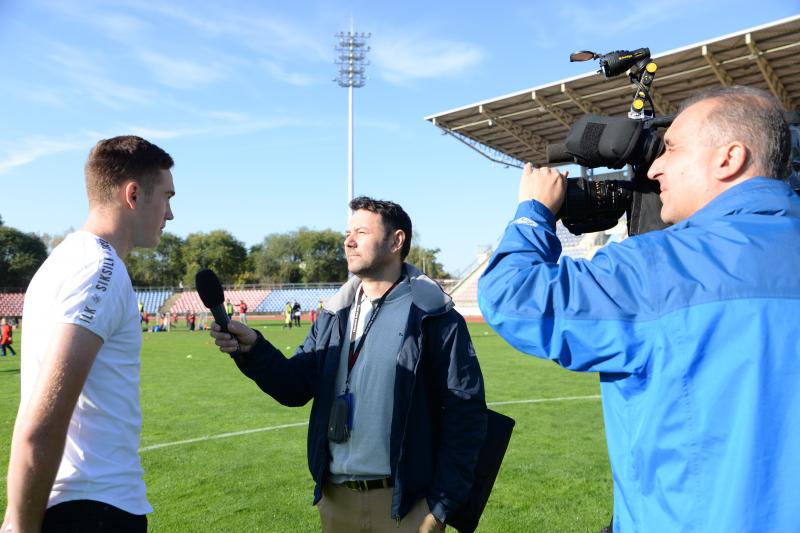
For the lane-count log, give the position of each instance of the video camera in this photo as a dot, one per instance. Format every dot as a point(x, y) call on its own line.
point(616, 142)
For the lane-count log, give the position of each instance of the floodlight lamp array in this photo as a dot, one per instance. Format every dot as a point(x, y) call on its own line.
point(352, 50)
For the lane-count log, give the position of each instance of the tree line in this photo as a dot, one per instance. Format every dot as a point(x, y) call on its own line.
point(300, 256)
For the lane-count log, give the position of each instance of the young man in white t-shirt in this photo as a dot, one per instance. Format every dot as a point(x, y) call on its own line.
point(74, 455)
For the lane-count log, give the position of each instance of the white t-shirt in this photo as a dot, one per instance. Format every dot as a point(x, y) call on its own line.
point(84, 282)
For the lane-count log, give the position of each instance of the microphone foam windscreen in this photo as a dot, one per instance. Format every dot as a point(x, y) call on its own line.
point(209, 288)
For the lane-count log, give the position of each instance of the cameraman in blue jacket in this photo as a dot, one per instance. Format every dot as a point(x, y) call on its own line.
point(691, 328)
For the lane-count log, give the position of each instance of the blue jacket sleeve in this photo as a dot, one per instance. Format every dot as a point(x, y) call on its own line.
point(597, 315)
point(292, 382)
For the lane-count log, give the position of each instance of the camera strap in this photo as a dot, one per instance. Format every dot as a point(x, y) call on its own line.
point(354, 351)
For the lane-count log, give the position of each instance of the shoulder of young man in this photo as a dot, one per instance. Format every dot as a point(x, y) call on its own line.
point(95, 286)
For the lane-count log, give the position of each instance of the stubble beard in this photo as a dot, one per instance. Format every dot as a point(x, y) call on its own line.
point(375, 268)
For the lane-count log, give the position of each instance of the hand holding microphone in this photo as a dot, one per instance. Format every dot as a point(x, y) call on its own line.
point(237, 337)
point(230, 336)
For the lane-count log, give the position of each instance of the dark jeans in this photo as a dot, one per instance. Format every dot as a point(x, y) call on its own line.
point(89, 516)
point(4, 346)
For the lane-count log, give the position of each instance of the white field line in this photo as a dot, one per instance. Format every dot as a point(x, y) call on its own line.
point(543, 400)
point(220, 436)
point(300, 424)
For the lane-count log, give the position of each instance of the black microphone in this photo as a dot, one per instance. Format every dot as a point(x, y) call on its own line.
point(210, 290)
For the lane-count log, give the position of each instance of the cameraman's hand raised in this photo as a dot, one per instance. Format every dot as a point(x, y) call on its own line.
point(239, 337)
point(544, 184)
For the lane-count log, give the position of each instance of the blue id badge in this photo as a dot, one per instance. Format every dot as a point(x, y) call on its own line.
point(340, 421)
point(348, 399)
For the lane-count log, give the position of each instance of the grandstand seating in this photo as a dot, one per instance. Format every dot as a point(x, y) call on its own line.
point(468, 295)
point(152, 300)
point(571, 245)
point(465, 293)
point(568, 240)
point(190, 300)
point(308, 298)
point(11, 304)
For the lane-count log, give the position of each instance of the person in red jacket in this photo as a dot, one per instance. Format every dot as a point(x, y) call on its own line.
point(5, 337)
point(242, 312)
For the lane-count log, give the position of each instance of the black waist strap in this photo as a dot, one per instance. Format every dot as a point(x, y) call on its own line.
point(368, 484)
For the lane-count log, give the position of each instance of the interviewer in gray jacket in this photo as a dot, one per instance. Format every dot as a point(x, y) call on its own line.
point(391, 356)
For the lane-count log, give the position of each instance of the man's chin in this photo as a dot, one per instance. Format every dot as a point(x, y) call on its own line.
point(358, 270)
point(151, 243)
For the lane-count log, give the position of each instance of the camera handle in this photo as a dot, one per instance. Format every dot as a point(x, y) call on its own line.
point(641, 76)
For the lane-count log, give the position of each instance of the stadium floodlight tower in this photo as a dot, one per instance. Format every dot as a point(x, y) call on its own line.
point(352, 60)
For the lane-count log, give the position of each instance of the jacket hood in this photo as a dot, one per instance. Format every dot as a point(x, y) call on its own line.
point(425, 293)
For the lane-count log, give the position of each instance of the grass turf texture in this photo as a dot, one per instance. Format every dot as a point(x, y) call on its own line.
point(555, 476)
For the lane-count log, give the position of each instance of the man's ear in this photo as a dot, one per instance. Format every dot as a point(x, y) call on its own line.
point(131, 193)
point(730, 161)
point(399, 240)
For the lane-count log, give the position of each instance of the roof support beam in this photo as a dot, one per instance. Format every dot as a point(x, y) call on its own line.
point(585, 105)
point(774, 82)
point(559, 114)
point(662, 105)
point(536, 143)
point(722, 75)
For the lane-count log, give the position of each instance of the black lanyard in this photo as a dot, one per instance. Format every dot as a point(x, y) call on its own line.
point(355, 351)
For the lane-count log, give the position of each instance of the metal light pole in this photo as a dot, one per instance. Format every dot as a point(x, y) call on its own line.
point(352, 50)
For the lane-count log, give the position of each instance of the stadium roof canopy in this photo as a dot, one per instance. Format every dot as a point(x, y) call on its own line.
point(517, 127)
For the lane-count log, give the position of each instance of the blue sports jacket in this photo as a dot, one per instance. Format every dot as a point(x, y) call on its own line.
point(694, 332)
point(439, 420)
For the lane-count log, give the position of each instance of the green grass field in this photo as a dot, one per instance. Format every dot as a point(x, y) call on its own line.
point(555, 476)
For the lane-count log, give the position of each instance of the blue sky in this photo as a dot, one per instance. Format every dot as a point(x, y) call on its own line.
point(241, 95)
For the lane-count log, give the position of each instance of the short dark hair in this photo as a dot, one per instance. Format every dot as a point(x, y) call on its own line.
point(753, 116)
point(392, 216)
point(114, 161)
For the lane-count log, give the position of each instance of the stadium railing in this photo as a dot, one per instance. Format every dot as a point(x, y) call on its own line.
point(11, 302)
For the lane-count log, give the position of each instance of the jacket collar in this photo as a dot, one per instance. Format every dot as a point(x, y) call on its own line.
point(759, 195)
point(425, 293)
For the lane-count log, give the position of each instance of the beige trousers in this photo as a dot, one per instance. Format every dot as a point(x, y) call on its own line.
point(342, 510)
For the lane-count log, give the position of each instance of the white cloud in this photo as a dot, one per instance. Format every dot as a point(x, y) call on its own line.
point(277, 42)
point(226, 129)
point(119, 24)
point(598, 19)
point(401, 59)
point(280, 73)
point(269, 35)
point(231, 116)
point(113, 94)
point(35, 148)
point(43, 96)
point(180, 73)
point(277, 37)
point(82, 68)
point(31, 149)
